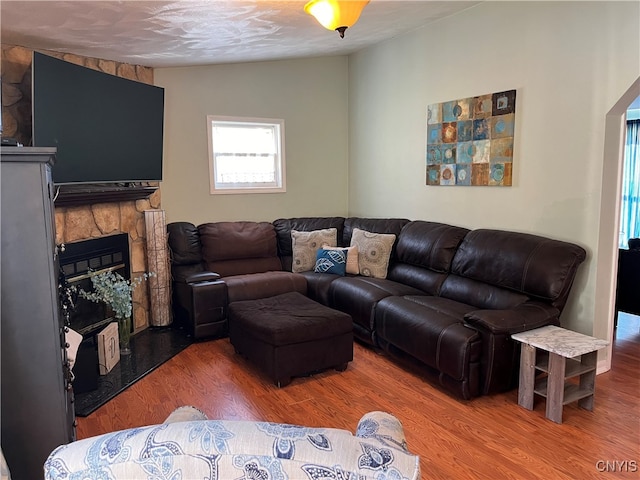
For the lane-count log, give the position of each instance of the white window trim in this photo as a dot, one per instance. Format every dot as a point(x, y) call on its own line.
point(216, 190)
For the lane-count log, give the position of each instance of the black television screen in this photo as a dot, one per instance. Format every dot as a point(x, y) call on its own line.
point(106, 128)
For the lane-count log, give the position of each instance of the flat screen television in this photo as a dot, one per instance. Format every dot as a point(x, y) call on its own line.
point(107, 129)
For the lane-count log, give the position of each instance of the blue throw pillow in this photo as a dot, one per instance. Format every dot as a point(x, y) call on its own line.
point(331, 261)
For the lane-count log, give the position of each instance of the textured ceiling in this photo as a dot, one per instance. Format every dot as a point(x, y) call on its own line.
point(197, 32)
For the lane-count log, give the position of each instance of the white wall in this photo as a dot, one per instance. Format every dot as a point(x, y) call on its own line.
point(311, 95)
point(569, 62)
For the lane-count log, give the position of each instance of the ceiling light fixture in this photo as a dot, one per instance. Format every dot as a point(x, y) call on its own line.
point(336, 14)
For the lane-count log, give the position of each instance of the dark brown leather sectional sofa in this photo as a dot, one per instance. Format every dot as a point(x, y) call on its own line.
point(450, 302)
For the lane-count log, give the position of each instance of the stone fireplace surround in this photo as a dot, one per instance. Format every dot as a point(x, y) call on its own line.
point(100, 219)
point(90, 217)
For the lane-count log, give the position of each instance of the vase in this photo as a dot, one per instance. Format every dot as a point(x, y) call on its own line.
point(124, 332)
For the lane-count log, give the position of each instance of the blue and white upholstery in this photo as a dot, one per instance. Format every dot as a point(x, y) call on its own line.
point(239, 450)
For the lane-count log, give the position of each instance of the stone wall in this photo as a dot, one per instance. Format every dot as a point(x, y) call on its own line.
point(94, 219)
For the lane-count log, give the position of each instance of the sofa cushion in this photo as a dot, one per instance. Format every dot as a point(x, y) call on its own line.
point(283, 227)
point(184, 243)
point(262, 285)
point(358, 297)
point(333, 262)
point(236, 240)
point(446, 306)
point(530, 264)
point(318, 286)
point(430, 245)
point(373, 225)
point(424, 252)
point(374, 252)
point(306, 246)
point(479, 294)
point(237, 248)
point(418, 277)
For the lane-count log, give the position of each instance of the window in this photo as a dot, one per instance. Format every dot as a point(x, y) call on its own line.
point(246, 155)
point(630, 205)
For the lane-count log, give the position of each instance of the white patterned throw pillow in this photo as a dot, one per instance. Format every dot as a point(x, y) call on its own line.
point(374, 251)
point(306, 245)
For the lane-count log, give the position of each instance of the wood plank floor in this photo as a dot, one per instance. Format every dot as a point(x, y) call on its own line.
point(486, 438)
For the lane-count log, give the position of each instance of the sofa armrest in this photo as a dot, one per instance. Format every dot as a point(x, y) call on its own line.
point(202, 277)
point(383, 427)
point(200, 303)
point(527, 316)
point(500, 357)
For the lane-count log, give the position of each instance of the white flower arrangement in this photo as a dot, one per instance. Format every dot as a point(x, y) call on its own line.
point(114, 290)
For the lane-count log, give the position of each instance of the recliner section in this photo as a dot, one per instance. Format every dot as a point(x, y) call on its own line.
point(215, 264)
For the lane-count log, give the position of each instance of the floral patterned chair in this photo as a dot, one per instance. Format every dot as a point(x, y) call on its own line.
point(189, 446)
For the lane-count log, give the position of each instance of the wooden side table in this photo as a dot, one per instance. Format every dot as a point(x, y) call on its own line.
point(562, 355)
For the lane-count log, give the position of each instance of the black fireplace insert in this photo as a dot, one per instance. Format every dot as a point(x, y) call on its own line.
point(78, 262)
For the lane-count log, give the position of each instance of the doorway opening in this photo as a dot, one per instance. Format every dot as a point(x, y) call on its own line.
point(607, 253)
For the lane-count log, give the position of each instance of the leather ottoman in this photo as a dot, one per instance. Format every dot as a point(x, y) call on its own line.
point(290, 335)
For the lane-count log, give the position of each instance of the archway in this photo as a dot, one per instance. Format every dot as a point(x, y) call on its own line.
point(607, 252)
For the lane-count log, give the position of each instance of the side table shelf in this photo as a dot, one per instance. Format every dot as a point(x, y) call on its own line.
point(560, 355)
point(573, 368)
point(572, 391)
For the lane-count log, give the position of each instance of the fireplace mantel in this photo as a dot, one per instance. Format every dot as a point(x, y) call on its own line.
point(74, 195)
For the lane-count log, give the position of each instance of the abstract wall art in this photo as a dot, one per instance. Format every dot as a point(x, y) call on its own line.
point(470, 140)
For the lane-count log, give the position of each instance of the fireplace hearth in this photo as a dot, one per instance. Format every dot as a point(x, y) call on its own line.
point(149, 350)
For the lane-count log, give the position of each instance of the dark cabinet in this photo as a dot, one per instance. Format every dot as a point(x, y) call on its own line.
point(628, 288)
point(36, 400)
